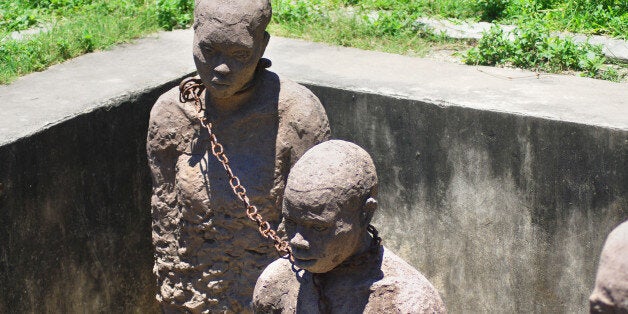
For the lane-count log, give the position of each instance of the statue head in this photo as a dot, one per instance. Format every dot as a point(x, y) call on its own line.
point(229, 40)
point(328, 204)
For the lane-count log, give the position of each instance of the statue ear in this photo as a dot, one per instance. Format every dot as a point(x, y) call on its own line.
point(264, 44)
point(266, 39)
point(368, 209)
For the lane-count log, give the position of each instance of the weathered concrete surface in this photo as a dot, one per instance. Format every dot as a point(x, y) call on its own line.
point(501, 212)
point(74, 183)
point(39, 100)
point(498, 185)
point(519, 92)
point(74, 210)
point(500, 190)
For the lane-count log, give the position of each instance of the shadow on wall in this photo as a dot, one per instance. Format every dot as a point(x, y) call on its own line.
point(75, 215)
point(501, 212)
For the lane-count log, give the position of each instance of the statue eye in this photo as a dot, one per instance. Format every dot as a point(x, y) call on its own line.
point(289, 222)
point(320, 228)
point(208, 49)
point(242, 55)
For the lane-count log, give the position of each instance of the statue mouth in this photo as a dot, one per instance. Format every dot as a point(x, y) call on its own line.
point(219, 83)
point(304, 262)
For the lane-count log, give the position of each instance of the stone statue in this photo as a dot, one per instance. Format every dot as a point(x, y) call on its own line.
point(207, 253)
point(610, 294)
point(328, 204)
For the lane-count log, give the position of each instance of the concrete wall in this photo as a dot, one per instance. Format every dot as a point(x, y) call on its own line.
point(497, 184)
point(503, 213)
point(75, 214)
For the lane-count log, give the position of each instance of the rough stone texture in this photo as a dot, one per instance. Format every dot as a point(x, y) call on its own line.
point(610, 294)
point(208, 253)
point(328, 205)
point(386, 284)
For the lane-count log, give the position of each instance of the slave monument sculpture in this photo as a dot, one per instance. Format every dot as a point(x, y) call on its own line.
point(207, 253)
point(328, 204)
point(610, 294)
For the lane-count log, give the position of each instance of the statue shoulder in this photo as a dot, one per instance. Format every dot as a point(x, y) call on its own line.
point(168, 109)
point(303, 122)
point(271, 293)
point(405, 288)
point(295, 98)
point(171, 123)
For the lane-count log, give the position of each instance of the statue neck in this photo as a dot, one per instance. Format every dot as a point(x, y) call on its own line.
point(366, 252)
point(234, 102)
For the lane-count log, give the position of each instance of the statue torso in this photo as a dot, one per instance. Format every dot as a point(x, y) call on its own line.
point(200, 229)
point(384, 284)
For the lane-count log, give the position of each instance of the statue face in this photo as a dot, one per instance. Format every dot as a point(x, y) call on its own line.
point(226, 56)
point(322, 235)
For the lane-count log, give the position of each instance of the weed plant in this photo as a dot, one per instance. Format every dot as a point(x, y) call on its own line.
point(533, 47)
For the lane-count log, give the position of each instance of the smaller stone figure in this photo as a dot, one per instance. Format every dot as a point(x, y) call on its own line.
point(610, 294)
point(328, 204)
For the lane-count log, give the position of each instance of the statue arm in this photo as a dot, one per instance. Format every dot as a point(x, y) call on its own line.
point(162, 154)
point(303, 123)
point(272, 288)
point(164, 145)
point(309, 127)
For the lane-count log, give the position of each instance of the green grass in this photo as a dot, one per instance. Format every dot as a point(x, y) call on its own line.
point(80, 26)
point(77, 27)
point(389, 25)
point(608, 17)
point(388, 31)
point(371, 25)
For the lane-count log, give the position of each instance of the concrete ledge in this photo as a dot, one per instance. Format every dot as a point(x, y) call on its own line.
point(39, 100)
point(90, 81)
point(554, 97)
point(499, 185)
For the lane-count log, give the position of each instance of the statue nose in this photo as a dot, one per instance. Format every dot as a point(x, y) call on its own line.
point(299, 242)
point(222, 69)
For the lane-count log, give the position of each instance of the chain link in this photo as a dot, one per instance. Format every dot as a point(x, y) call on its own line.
point(191, 89)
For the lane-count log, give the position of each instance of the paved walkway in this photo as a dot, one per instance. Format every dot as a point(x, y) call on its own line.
point(38, 100)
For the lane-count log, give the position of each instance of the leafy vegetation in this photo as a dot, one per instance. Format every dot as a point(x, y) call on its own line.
point(532, 47)
point(79, 26)
point(174, 13)
point(72, 28)
point(390, 26)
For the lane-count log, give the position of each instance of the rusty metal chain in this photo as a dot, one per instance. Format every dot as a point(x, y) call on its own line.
point(191, 89)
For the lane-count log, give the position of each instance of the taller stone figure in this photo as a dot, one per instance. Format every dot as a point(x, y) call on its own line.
point(208, 255)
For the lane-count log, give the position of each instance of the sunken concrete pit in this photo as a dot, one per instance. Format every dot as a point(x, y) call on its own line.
point(498, 185)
